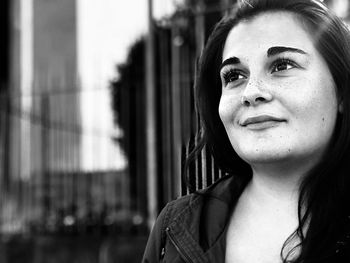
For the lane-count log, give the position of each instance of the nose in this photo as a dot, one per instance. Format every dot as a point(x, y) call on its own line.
point(255, 93)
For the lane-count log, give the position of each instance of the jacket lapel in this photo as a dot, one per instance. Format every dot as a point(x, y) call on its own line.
point(196, 229)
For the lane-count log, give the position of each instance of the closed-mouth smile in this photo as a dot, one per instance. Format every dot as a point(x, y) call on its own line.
point(261, 121)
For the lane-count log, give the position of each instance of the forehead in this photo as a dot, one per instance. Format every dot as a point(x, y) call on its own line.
point(265, 30)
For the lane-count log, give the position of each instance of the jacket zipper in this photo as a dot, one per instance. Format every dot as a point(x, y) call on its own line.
point(178, 248)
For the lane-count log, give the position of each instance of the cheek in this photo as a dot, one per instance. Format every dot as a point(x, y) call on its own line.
point(324, 93)
point(227, 109)
point(222, 110)
point(325, 101)
point(317, 108)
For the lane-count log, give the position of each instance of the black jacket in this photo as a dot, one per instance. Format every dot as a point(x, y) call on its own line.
point(193, 228)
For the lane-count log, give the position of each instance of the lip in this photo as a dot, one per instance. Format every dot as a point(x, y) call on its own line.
point(261, 120)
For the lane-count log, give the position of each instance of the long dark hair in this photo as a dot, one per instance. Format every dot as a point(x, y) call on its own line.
point(324, 193)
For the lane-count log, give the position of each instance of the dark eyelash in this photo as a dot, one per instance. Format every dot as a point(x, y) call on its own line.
point(283, 60)
point(287, 60)
point(227, 74)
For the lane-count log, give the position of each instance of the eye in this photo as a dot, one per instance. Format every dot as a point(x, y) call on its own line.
point(282, 65)
point(232, 75)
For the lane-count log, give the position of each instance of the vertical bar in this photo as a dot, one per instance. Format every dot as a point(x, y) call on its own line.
point(4, 119)
point(151, 120)
point(197, 173)
point(176, 110)
point(165, 91)
point(6, 174)
point(26, 82)
point(212, 169)
point(199, 24)
point(45, 140)
point(200, 35)
point(204, 168)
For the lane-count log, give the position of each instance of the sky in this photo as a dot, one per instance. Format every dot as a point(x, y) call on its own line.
point(106, 30)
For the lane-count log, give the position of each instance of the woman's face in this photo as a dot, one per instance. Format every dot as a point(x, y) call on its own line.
point(278, 101)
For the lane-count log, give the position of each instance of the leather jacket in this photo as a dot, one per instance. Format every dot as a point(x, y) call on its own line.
point(192, 229)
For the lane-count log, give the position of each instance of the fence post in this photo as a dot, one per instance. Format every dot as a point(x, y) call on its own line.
point(151, 120)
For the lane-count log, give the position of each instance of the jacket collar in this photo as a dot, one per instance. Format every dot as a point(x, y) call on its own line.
point(201, 225)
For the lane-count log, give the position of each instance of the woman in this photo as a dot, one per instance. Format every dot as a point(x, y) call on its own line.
point(273, 94)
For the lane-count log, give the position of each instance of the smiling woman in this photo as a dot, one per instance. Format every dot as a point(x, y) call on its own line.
point(279, 116)
point(273, 94)
point(281, 101)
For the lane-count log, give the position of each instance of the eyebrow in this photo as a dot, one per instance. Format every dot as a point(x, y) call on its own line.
point(272, 51)
point(229, 61)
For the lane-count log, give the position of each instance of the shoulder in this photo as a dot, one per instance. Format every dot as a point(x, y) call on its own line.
point(218, 190)
point(156, 241)
point(187, 211)
point(219, 193)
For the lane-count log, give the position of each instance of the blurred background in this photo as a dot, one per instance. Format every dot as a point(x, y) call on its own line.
point(96, 120)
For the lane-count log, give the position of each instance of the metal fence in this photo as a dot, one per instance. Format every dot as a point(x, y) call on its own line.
point(43, 187)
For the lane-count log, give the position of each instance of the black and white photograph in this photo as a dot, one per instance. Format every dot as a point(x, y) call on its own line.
point(178, 131)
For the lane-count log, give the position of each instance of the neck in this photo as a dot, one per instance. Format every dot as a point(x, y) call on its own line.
point(274, 187)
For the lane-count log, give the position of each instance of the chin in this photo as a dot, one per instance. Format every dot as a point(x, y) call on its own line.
point(265, 155)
